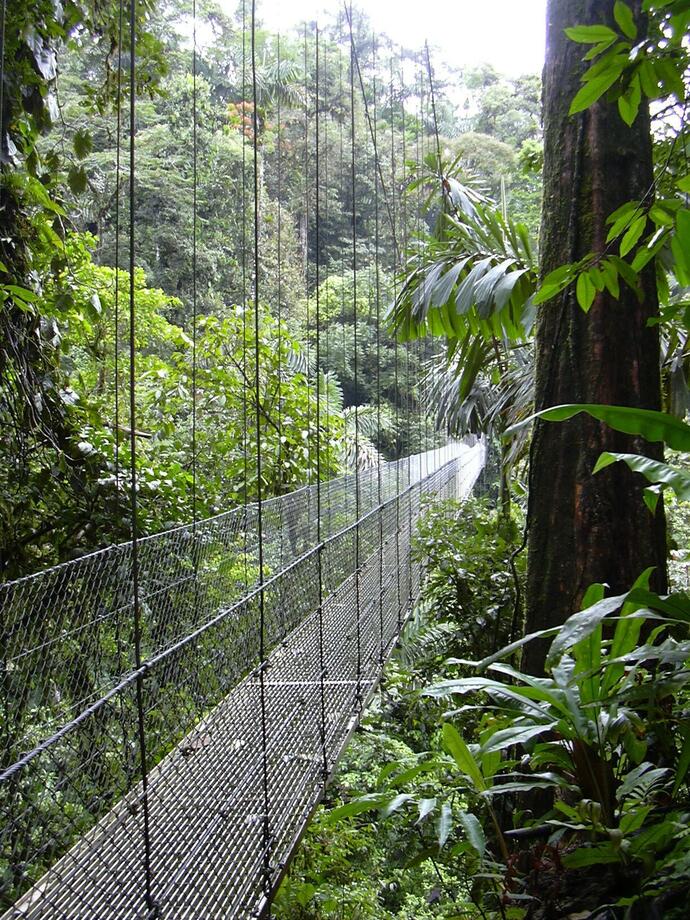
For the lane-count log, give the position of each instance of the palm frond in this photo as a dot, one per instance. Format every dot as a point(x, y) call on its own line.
point(475, 275)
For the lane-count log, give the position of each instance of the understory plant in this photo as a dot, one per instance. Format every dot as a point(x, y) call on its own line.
point(572, 796)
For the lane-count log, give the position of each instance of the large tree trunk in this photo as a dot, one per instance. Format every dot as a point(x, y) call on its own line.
point(585, 528)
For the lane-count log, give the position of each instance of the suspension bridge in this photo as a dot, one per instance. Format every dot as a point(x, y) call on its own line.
point(244, 733)
point(172, 707)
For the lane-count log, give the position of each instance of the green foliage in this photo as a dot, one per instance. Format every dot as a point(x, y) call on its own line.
point(81, 304)
point(600, 727)
point(466, 549)
point(648, 423)
point(65, 454)
point(601, 748)
point(653, 230)
point(356, 867)
point(475, 275)
point(652, 426)
point(630, 68)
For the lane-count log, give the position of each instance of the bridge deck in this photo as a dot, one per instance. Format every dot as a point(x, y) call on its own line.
point(215, 851)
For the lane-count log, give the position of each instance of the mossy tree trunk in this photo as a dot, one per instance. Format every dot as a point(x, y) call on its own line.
point(585, 528)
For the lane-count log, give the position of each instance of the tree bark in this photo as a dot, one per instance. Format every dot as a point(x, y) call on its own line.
point(585, 528)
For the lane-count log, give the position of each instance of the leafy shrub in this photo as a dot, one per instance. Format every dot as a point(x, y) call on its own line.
point(467, 550)
point(574, 795)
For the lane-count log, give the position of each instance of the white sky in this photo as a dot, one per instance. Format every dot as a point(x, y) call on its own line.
point(462, 33)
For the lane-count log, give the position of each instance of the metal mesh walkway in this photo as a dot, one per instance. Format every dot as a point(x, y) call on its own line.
point(230, 782)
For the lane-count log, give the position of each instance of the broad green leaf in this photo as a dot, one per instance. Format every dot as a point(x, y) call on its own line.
point(625, 19)
point(508, 650)
point(674, 606)
point(523, 697)
point(661, 216)
point(684, 184)
point(505, 287)
point(490, 763)
point(611, 278)
point(474, 831)
point(591, 856)
point(640, 780)
point(646, 253)
point(426, 806)
point(554, 283)
point(671, 77)
point(683, 229)
point(590, 35)
point(542, 688)
point(462, 755)
point(596, 50)
point(626, 272)
point(395, 803)
point(626, 634)
point(82, 143)
point(651, 496)
point(76, 179)
point(632, 234)
point(580, 625)
point(535, 781)
point(653, 839)
point(629, 101)
point(648, 423)
point(648, 79)
point(633, 820)
point(587, 653)
point(305, 893)
point(681, 266)
point(356, 807)
point(594, 89)
point(21, 293)
point(517, 734)
point(622, 215)
point(427, 766)
point(654, 470)
point(585, 291)
point(445, 285)
point(444, 825)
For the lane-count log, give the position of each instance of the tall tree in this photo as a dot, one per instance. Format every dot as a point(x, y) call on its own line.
point(585, 528)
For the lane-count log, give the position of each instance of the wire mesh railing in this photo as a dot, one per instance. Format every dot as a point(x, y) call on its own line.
point(74, 843)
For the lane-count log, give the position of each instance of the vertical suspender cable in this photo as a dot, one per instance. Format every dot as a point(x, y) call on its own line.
point(319, 543)
point(194, 279)
point(3, 18)
point(245, 376)
point(432, 95)
point(124, 720)
point(284, 524)
point(116, 351)
point(266, 841)
point(306, 265)
point(408, 376)
point(377, 295)
point(396, 383)
point(355, 362)
point(133, 467)
point(424, 347)
point(419, 150)
point(326, 362)
point(342, 190)
point(439, 167)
